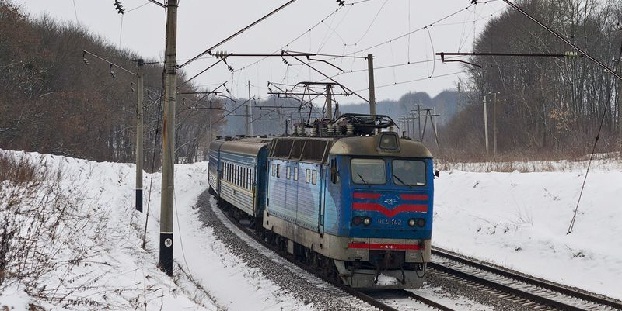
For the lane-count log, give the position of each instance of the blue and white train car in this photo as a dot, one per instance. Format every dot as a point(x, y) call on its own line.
point(237, 173)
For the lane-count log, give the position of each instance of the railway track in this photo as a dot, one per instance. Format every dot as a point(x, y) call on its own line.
point(368, 297)
point(522, 289)
point(513, 288)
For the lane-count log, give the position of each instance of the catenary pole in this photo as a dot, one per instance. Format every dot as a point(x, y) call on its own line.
point(494, 125)
point(419, 120)
point(485, 125)
point(168, 141)
point(620, 106)
point(139, 135)
point(329, 102)
point(372, 88)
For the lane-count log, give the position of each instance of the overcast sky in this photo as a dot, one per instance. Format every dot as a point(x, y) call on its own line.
point(402, 35)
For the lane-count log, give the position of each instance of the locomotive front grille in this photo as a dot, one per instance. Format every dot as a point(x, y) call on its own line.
point(386, 260)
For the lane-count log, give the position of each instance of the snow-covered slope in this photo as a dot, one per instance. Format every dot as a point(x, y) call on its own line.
point(91, 252)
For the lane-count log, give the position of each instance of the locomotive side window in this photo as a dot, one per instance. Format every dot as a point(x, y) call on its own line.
point(295, 173)
point(278, 171)
point(408, 173)
point(308, 176)
point(333, 171)
point(273, 169)
point(288, 171)
point(314, 177)
point(368, 171)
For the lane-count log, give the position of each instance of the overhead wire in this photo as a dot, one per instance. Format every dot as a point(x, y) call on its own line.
point(593, 59)
point(416, 80)
point(331, 79)
point(353, 54)
point(297, 38)
point(565, 40)
point(208, 51)
point(412, 31)
point(371, 23)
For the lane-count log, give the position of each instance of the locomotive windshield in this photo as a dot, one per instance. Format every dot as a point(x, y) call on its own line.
point(368, 171)
point(409, 172)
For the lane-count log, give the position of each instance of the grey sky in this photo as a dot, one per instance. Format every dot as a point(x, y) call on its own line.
point(379, 27)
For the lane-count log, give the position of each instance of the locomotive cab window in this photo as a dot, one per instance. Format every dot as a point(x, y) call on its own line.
point(408, 173)
point(368, 171)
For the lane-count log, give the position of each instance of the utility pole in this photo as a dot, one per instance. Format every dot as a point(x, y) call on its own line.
point(485, 124)
point(494, 125)
point(372, 87)
point(620, 105)
point(139, 136)
point(419, 121)
point(329, 102)
point(249, 113)
point(168, 141)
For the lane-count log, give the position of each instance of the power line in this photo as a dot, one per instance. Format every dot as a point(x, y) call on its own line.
point(371, 23)
point(413, 31)
point(296, 39)
point(208, 51)
point(559, 36)
point(417, 80)
point(158, 3)
point(84, 52)
point(331, 79)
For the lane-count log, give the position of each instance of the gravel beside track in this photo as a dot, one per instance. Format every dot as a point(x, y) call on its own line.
point(319, 294)
point(292, 280)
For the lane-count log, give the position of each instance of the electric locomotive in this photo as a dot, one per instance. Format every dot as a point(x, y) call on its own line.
point(346, 196)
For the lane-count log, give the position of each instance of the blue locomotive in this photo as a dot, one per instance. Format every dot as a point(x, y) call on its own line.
point(352, 200)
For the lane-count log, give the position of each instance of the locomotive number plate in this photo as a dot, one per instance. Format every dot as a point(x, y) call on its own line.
point(390, 222)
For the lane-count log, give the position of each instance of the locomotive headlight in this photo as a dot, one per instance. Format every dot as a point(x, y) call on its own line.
point(367, 221)
point(419, 222)
point(389, 142)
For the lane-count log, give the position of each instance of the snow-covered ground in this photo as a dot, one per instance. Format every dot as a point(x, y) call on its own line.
point(518, 220)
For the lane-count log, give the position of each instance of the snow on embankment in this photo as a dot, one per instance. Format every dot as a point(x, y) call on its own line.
point(72, 240)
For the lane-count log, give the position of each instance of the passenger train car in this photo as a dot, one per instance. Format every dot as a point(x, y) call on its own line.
point(351, 202)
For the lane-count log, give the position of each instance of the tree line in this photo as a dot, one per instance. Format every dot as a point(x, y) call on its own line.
point(544, 105)
point(56, 99)
point(51, 101)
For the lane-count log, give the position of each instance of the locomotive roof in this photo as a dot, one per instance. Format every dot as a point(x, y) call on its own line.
point(306, 148)
point(369, 145)
point(250, 146)
point(317, 148)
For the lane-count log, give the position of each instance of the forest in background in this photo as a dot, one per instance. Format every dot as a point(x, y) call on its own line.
point(551, 107)
point(56, 99)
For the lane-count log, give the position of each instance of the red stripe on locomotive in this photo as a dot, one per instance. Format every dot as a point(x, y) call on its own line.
point(385, 246)
point(366, 195)
point(375, 207)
